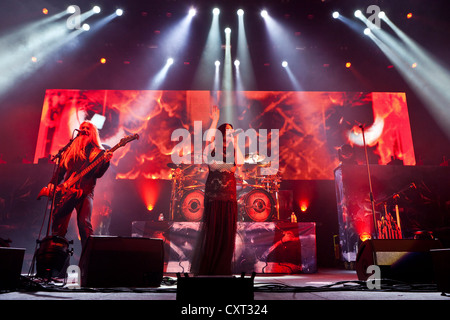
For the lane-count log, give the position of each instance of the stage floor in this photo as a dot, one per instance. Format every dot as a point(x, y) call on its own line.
point(326, 284)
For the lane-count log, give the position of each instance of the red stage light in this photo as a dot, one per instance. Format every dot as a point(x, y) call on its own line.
point(348, 65)
point(365, 236)
point(45, 11)
point(303, 206)
point(103, 60)
point(409, 15)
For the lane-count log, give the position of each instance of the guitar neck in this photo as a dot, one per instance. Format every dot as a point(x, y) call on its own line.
point(85, 171)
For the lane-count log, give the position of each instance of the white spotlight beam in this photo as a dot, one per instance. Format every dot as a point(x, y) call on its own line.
point(211, 52)
point(429, 79)
point(177, 36)
point(227, 77)
point(247, 77)
point(158, 79)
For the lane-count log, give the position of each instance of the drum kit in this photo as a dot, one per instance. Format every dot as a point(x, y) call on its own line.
point(257, 194)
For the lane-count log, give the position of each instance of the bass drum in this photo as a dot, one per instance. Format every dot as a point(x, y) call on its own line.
point(259, 205)
point(192, 205)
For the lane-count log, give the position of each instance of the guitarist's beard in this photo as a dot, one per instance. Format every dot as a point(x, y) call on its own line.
point(77, 151)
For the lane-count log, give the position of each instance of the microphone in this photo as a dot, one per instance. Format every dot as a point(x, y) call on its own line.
point(81, 132)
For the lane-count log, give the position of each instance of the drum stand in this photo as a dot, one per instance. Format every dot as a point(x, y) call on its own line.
point(372, 202)
point(174, 195)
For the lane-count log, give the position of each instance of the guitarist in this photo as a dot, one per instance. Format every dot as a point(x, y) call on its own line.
point(85, 148)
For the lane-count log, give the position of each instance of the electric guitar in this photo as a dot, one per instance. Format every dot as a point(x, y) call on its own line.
point(68, 190)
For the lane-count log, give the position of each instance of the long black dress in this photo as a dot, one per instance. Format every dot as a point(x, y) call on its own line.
point(218, 233)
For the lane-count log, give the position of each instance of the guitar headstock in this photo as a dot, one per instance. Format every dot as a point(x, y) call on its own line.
point(127, 139)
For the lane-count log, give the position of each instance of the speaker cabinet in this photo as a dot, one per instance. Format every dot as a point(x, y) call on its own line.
point(401, 259)
point(122, 262)
point(11, 260)
point(441, 267)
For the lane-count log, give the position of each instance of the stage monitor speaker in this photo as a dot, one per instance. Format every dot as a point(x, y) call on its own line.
point(441, 267)
point(11, 260)
point(215, 289)
point(122, 262)
point(400, 259)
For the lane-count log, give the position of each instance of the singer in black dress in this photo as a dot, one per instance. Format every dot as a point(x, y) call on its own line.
point(216, 242)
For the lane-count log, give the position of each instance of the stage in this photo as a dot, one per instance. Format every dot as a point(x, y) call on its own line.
point(324, 285)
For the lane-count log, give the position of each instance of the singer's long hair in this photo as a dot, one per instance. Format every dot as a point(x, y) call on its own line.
point(77, 150)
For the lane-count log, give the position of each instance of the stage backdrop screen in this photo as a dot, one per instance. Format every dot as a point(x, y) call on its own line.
point(312, 126)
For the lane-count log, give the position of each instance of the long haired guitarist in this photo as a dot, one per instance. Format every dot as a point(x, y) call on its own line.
point(85, 149)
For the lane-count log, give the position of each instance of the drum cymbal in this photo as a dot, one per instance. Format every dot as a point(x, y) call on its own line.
point(193, 186)
point(254, 158)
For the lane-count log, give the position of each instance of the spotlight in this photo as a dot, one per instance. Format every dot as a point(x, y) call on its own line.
point(227, 30)
point(192, 12)
point(96, 9)
point(45, 11)
point(240, 12)
point(71, 9)
point(102, 60)
point(169, 61)
point(86, 27)
point(367, 31)
point(409, 15)
point(284, 64)
point(335, 14)
point(414, 65)
point(119, 12)
point(216, 11)
point(358, 13)
point(237, 63)
point(348, 64)
point(381, 15)
point(34, 59)
point(217, 63)
point(264, 13)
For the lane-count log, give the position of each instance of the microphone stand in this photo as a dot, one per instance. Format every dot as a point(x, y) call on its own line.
point(46, 243)
point(372, 202)
point(57, 157)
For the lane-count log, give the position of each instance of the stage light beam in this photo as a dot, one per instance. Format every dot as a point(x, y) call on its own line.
point(71, 9)
point(192, 12)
